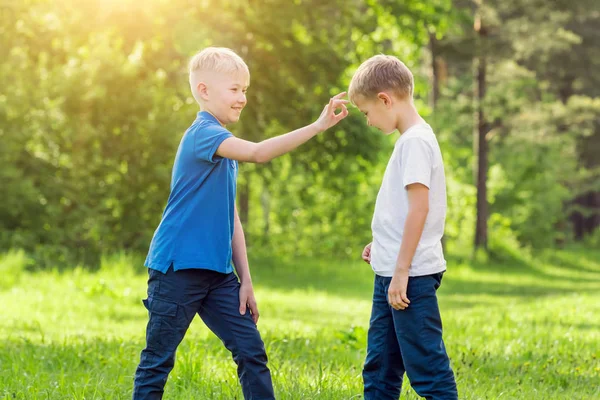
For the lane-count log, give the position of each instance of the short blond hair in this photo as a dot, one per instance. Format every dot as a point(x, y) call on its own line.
point(381, 73)
point(215, 59)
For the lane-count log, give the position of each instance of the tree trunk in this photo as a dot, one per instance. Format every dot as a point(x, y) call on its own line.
point(586, 218)
point(435, 81)
point(481, 129)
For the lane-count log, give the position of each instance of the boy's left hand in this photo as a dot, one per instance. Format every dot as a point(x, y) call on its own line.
point(247, 300)
point(397, 290)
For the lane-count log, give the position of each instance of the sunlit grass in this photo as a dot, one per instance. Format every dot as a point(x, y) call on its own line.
point(523, 328)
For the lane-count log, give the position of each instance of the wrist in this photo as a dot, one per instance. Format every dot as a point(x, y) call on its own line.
point(402, 269)
point(246, 280)
point(316, 128)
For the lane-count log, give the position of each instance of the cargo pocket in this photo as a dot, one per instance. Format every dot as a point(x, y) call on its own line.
point(162, 328)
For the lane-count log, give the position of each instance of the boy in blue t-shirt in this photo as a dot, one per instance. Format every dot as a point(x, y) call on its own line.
point(200, 234)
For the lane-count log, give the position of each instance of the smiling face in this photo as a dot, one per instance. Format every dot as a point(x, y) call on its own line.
point(224, 95)
point(379, 112)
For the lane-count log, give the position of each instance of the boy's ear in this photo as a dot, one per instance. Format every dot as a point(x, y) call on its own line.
point(202, 90)
point(385, 98)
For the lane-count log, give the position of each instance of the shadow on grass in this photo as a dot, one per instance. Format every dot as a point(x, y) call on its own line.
point(578, 259)
point(340, 278)
point(456, 286)
point(355, 279)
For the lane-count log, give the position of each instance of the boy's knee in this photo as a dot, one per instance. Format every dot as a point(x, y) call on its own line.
point(372, 363)
point(250, 353)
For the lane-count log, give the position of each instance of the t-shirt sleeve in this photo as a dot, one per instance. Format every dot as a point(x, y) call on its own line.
point(207, 141)
point(417, 162)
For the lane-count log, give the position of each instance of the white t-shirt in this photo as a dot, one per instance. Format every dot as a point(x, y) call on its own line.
point(416, 159)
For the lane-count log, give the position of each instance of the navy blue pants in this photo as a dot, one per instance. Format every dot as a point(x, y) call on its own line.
point(410, 341)
point(173, 300)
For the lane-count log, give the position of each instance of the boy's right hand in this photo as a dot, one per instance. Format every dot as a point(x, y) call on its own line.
point(328, 117)
point(366, 254)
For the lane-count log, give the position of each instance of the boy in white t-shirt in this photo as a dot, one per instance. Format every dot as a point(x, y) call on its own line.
point(405, 332)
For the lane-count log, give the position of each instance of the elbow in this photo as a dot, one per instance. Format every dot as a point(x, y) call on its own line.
point(259, 156)
point(261, 159)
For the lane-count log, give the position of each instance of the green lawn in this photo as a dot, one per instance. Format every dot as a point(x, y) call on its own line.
point(521, 328)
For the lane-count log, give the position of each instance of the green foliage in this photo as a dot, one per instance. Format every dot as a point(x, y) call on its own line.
point(88, 148)
point(13, 266)
point(542, 108)
point(92, 141)
point(95, 100)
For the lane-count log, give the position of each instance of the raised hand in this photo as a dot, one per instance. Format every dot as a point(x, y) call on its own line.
point(328, 117)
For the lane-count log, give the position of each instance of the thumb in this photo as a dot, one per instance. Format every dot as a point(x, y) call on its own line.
point(242, 307)
point(343, 114)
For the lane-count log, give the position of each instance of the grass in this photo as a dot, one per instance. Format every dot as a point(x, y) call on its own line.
point(518, 328)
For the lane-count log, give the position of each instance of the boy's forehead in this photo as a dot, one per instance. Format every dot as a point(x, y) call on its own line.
point(241, 78)
point(360, 102)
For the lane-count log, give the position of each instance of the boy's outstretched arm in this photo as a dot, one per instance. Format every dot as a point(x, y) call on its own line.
point(418, 208)
point(240, 261)
point(243, 150)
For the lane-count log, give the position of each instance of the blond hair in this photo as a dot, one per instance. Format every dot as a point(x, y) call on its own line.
point(214, 59)
point(381, 73)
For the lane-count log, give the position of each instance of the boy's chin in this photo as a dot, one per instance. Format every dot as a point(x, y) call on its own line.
point(230, 120)
point(385, 130)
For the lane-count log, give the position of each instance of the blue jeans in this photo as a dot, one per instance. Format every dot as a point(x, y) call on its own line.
point(408, 341)
point(173, 300)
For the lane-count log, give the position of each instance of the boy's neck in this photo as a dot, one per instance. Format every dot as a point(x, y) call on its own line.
point(408, 116)
point(211, 113)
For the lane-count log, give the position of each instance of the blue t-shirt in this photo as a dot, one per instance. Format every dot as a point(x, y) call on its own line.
point(197, 226)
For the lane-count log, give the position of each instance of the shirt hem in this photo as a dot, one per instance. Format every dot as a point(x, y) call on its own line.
point(430, 271)
point(164, 266)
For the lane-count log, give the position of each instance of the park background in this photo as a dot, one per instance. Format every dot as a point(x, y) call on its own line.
point(93, 103)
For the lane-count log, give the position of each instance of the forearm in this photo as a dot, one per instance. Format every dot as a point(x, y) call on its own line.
point(413, 228)
point(279, 145)
point(239, 254)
